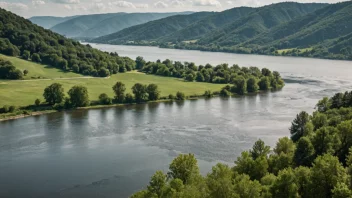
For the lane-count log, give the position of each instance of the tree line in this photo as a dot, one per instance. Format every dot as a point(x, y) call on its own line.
point(246, 79)
point(78, 96)
point(316, 161)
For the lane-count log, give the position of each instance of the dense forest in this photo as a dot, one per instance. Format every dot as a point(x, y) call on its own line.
point(315, 162)
point(19, 37)
point(292, 29)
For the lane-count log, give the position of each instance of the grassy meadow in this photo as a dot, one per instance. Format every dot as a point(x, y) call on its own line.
point(24, 92)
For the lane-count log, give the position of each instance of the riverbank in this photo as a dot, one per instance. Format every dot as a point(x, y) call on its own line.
point(28, 113)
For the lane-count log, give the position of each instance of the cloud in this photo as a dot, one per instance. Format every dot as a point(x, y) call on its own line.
point(37, 2)
point(160, 4)
point(229, 2)
point(123, 4)
point(142, 6)
point(214, 3)
point(177, 4)
point(67, 1)
point(14, 6)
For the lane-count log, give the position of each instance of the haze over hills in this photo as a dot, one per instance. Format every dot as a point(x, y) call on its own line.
point(48, 22)
point(95, 25)
point(154, 29)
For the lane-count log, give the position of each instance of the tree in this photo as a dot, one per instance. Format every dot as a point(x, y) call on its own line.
point(26, 54)
point(157, 184)
point(37, 102)
point(153, 92)
point(199, 77)
point(327, 172)
point(219, 182)
point(189, 77)
point(36, 58)
point(184, 167)
point(246, 188)
point(255, 168)
point(264, 83)
point(284, 145)
point(140, 92)
point(104, 99)
point(252, 84)
point(129, 98)
point(180, 96)
point(140, 63)
point(304, 152)
point(303, 180)
point(103, 72)
point(25, 72)
point(298, 126)
point(285, 185)
point(79, 96)
point(54, 93)
point(259, 149)
point(241, 85)
point(119, 90)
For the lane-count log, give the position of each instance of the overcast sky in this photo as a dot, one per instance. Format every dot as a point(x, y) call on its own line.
point(28, 8)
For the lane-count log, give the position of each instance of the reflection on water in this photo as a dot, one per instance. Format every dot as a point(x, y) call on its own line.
point(112, 152)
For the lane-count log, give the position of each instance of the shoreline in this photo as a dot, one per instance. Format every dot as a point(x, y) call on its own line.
point(37, 113)
point(219, 51)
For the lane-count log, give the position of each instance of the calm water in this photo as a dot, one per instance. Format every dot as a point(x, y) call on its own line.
point(112, 152)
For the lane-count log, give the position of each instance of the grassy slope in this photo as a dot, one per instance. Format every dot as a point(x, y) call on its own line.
point(22, 93)
point(37, 70)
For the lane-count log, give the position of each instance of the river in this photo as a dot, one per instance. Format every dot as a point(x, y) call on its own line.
point(113, 152)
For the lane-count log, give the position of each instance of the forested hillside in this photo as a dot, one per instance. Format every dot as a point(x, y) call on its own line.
point(19, 37)
point(48, 22)
point(292, 29)
point(241, 23)
point(153, 29)
point(315, 162)
point(91, 26)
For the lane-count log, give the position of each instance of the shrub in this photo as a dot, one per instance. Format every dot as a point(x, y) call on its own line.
point(12, 109)
point(180, 96)
point(37, 102)
point(104, 99)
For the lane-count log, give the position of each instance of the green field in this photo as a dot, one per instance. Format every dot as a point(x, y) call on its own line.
point(24, 92)
point(37, 70)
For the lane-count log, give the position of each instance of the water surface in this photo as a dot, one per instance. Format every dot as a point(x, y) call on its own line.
point(112, 152)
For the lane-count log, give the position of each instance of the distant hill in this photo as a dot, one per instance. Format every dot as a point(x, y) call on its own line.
point(48, 22)
point(153, 29)
point(259, 21)
point(228, 27)
point(91, 26)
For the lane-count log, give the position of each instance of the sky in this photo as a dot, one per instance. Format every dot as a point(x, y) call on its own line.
point(29, 8)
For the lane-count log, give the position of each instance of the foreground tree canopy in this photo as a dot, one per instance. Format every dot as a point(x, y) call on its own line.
point(315, 162)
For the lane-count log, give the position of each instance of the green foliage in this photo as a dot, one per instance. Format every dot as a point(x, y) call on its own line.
point(104, 99)
point(20, 37)
point(184, 167)
point(119, 90)
point(285, 185)
point(297, 128)
point(140, 92)
point(153, 92)
point(208, 94)
point(8, 71)
point(37, 102)
point(180, 96)
point(79, 96)
point(54, 93)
